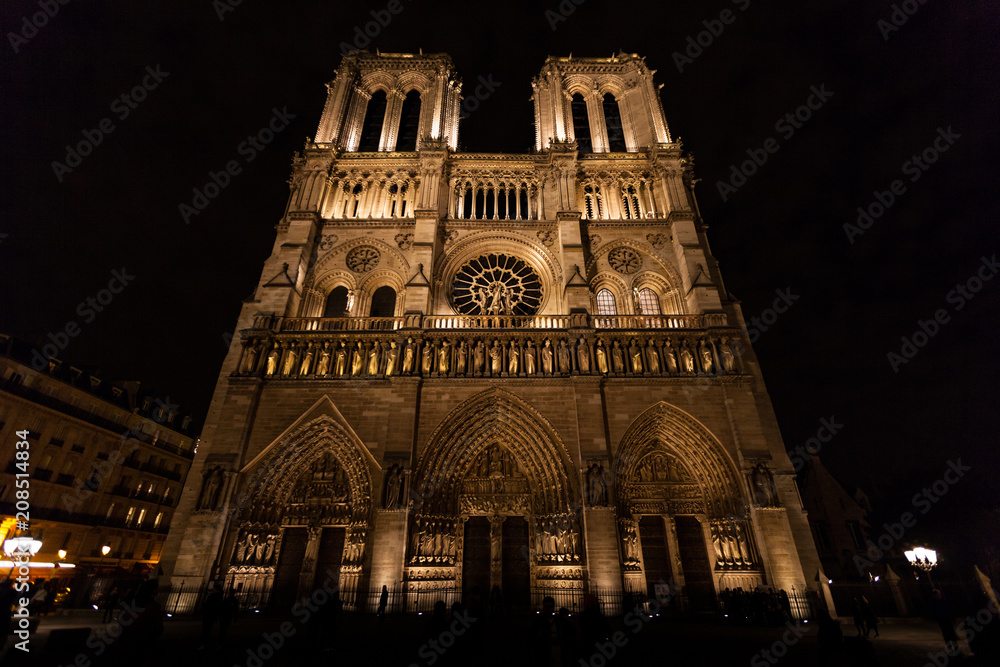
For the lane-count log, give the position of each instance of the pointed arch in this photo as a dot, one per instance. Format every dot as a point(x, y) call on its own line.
point(665, 427)
point(494, 417)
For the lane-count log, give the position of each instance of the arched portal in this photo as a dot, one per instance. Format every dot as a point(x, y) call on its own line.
point(492, 502)
point(303, 515)
point(682, 511)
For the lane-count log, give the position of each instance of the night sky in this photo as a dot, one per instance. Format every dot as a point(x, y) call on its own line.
point(62, 235)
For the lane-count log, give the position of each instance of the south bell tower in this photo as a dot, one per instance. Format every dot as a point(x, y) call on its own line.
point(467, 370)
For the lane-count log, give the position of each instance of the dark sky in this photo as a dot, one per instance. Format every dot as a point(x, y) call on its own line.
point(826, 357)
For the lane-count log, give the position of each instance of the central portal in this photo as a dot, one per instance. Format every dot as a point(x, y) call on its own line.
point(496, 553)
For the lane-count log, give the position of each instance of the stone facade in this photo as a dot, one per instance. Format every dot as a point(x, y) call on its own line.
point(468, 369)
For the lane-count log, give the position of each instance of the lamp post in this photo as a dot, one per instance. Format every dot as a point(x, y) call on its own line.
point(923, 559)
point(105, 550)
point(17, 548)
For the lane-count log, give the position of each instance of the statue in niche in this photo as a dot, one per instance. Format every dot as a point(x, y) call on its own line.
point(323, 365)
point(408, 357)
point(269, 549)
point(631, 544)
point(617, 358)
point(636, 303)
point(289, 366)
point(583, 357)
point(496, 538)
point(415, 538)
point(390, 359)
point(602, 358)
point(340, 366)
point(444, 357)
point(726, 356)
point(705, 352)
point(635, 356)
point(393, 484)
point(241, 549)
point(211, 488)
point(597, 486)
point(687, 359)
point(496, 359)
point(358, 360)
point(562, 355)
point(762, 484)
point(670, 358)
point(373, 358)
point(307, 360)
point(652, 358)
point(512, 359)
point(529, 359)
point(478, 358)
point(250, 357)
point(482, 300)
point(741, 540)
point(461, 354)
point(272, 361)
point(427, 361)
point(546, 354)
point(251, 548)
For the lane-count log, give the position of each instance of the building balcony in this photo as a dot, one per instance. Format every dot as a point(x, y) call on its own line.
point(536, 346)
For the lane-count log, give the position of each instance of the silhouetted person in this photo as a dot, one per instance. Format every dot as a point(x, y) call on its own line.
point(438, 622)
point(871, 618)
point(545, 635)
point(139, 636)
point(229, 612)
point(211, 612)
point(569, 640)
point(943, 613)
point(831, 640)
point(383, 602)
point(859, 617)
point(110, 606)
point(593, 623)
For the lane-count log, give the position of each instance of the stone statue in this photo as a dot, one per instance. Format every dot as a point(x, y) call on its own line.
point(687, 359)
point(373, 358)
point(211, 489)
point(583, 357)
point(602, 358)
point(562, 354)
point(408, 355)
point(272, 361)
point(482, 300)
point(444, 357)
point(726, 355)
point(529, 359)
point(461, 354)
point(617, 358)
point(636, 303)
point(762, 484)
point(547, 357)
point(496, 359)
point(670, 358)
point(479, 358)
point(358, 360)
point(652, 358)
point(427, 361)
point(269, 549)
point(340, 365)
point(289, 366)
point(635, 355)
point(393, 482)
point(631, 544)
point(512, 359)
point(705, 352)
point(323, 366)
point(307, 360)
point(250, 358)
point(390, 359)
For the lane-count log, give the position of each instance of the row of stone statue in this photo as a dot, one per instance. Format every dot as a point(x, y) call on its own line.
point(484, 358)
point(733, 545)
point(255, 550)
point(432, 541)
point(324, 514)
point(557, 540)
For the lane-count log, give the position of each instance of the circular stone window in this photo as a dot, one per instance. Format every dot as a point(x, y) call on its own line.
point(497, 284)
point(363, 258)
point(624, 260)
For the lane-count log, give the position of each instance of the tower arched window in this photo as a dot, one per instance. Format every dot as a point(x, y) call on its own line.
point(383, 302)
point(581, 124)
point(649, 304)
point(630, 203)
point(371, 127)
point(606, 303)
point(409, 122)
point(592, 202)
point(336, 303)
point(613, 121)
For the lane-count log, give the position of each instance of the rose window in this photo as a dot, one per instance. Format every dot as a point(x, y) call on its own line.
point(362, 259)
point(497, 284)
point(624, 260)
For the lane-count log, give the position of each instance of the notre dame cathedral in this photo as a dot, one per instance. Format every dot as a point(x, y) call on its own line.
point(468, 370)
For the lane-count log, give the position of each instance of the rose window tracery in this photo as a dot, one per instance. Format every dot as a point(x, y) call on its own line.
point(624, 260)
point(362, 259)
point(497, 284)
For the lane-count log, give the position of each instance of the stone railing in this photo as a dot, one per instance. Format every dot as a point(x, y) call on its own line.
point(503, 321)
point(659, 321)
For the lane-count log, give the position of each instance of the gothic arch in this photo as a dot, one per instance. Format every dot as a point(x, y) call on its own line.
point(374, 81)
point(412, 80)
point(381, 278)
point(391, 259)
point(494, 416)
point(669, 272)
point(667, 428)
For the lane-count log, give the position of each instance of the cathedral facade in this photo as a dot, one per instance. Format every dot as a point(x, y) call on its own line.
point(466, 370)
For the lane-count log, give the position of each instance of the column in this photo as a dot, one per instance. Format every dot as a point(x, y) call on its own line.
point(496, 551)
point(307, 575)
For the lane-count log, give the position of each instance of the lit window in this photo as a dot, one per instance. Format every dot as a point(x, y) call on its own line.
point(111, 510)
point(606, 303)
point(142, 515)
point(129, 516)
point(648, 302)
point(156, 521)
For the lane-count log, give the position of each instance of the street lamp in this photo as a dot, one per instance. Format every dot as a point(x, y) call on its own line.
point(923, 559)
point(62, 554)
point(105, 550)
